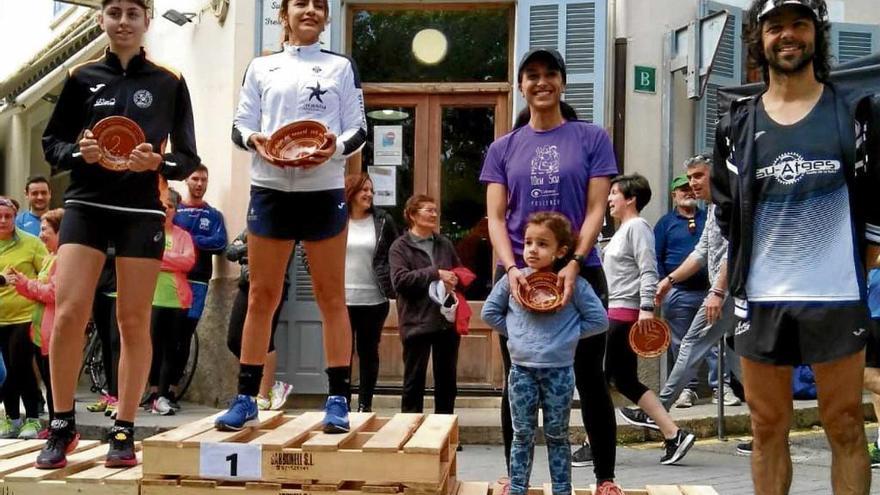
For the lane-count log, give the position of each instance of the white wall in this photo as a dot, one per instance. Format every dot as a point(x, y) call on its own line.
point(26, 26)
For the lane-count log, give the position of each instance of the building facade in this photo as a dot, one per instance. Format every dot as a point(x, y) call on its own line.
point(439, 85)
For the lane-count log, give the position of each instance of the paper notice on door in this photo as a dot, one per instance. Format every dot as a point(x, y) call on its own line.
point(384, 185)
point(388, 145)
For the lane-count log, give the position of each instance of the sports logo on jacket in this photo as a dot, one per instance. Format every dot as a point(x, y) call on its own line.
point(789, 168)
point(204, 224)
point(143, 98)
point(313, 98)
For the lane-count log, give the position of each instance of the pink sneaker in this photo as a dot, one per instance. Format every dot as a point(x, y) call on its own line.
point(609, 488)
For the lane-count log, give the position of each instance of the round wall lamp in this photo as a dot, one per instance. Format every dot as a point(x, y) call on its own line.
point(388, 114)
point(430, 46)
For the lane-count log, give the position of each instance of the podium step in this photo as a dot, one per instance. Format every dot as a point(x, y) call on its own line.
point(414, 452)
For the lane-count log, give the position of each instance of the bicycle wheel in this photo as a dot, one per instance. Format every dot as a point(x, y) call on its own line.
point(93, 362)
point(190, 369)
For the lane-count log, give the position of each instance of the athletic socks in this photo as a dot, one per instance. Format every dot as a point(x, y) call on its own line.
point(67, 416)
point(124, 424)
point(249, 377)
point(340, 380)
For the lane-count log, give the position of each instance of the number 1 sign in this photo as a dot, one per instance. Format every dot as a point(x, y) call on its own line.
point(230, 461)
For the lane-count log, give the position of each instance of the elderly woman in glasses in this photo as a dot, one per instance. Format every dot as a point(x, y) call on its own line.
point(418, 258)
point(21, 254)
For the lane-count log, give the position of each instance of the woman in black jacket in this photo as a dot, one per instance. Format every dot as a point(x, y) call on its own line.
point(417, 258)
point(367, 279)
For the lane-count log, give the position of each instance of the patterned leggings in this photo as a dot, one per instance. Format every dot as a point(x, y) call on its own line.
point(554, 388)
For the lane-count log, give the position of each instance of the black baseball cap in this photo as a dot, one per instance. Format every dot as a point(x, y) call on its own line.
point(546, 54)
point(770, 6)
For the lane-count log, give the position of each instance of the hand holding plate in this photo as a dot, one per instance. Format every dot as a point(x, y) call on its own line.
point(143, 158)
point(323, 153)
point(258, 142)
point(88, 148)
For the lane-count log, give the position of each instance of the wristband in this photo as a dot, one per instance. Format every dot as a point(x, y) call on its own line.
point(718, 292)
point(511, 267)
point(579, 258)
point(671, 279)
point(647, 308)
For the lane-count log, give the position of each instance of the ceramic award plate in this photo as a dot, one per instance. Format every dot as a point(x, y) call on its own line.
point(649, 338)
point(543, 295)
point(295, 144)
point(117, 137)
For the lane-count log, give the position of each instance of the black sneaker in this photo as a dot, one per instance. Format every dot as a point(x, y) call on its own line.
point(637, 417)
point(583, 456)
point(147, 402)
point(677, 448)
point(744, 448)
point(62, 441)
point(121, 453)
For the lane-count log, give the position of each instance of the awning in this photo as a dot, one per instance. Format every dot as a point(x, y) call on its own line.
point(82, 32)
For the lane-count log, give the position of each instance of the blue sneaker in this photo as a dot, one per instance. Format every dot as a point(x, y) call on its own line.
point(241, 414)
point(336, 415)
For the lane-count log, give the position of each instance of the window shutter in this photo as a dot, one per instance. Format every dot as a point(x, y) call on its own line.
point(577, 28)
point(728, 71)
point(853, 41)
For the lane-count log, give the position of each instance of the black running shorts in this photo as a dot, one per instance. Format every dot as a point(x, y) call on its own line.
point(792, 334)
point(134, 235)
point(301, 216)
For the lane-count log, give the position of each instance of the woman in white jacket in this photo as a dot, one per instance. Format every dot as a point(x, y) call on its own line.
point(298, 204)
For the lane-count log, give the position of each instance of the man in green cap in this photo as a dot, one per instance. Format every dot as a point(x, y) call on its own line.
point(676, 234)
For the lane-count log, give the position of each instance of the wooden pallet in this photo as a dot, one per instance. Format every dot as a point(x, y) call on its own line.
point(212, 487)
point(412, 450)
point(84, 473)
point(648, 490)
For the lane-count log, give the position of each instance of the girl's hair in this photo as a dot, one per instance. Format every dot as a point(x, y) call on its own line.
point(634, 186)
point(556, 223)
point(413, 204)
point(754, 38)
point(282, 18)
point(142, 3)
point(524, 115)
point(53, 218)
point(354, 183)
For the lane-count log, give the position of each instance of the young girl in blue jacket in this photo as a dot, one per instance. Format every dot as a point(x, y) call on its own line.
point(542, 348)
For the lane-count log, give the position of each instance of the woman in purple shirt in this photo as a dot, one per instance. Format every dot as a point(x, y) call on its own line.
point(556, 163)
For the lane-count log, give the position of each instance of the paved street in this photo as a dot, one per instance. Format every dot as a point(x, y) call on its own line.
point(710, 462)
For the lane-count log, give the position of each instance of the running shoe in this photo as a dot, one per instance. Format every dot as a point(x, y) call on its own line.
point(744, 448)
point(43, 434)
point(99, 405)
point(242, 413)
point(504, 483)
point(677, 448)
point(9, 428)
point(147, 402)
point(30, 429)
point(687, 398)
point(583, 456)
point(112, 405)
point(62, 441)
point(874, 454)
point(279, 394)
point(609, 487)
point(336, 415)
point(121, 453)
point(162, 407)
point(263, 403)
point(730, 399)
point(637, 417)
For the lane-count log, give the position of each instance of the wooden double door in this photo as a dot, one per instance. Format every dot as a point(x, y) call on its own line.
point(428, 139)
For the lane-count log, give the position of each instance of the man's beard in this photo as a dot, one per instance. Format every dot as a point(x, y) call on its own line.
point(791, 66)
point(687, 203)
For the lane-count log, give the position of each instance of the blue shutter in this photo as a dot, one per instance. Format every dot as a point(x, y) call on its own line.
point(852, 41)
point(728, 71)
point(577, 28)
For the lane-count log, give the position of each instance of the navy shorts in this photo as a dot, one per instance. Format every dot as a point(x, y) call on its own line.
point(791, 334)
point(134, 235)
point(297, 216)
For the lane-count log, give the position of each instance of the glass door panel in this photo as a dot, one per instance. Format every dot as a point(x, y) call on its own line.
point(465, 136)
point(388, 156)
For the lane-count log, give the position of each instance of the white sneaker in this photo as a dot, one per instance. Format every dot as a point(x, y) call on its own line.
point(263, 403)
point(280, 392)
point(162, 407)
point(687, 398)
point(730, 398)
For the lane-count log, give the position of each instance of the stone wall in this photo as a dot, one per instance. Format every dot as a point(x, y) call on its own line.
point(216, 377)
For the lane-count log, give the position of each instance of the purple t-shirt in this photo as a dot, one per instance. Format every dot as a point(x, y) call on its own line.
point(548, 171)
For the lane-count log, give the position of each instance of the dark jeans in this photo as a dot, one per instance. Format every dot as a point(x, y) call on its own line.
point(366, 332)
point(21, 382)
point(597, 409)
point(186, 330)
point(442, 347)
point(238, 314)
